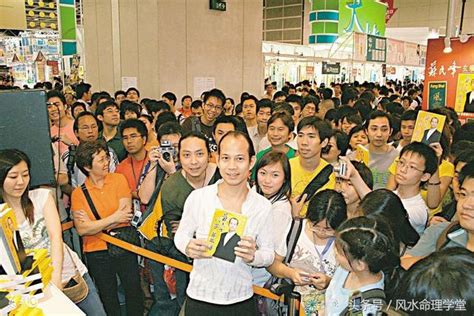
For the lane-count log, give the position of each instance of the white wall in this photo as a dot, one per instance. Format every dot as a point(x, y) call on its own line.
point(167, 43)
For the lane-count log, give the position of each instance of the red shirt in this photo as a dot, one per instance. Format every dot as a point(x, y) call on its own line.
point(132, 170)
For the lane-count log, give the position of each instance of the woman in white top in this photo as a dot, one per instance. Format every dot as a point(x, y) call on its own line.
point(39, 225)
point(313, 262)
point(273, 181)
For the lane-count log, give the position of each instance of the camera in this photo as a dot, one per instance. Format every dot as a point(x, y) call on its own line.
point(340, 168)
point(167, 150)
point(137, 213)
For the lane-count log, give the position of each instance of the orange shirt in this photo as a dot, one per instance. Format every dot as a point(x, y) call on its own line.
point(132, 170)
point(106, 201)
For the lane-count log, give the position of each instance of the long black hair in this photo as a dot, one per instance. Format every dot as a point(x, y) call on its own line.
point(9, 158)
point(268, 159)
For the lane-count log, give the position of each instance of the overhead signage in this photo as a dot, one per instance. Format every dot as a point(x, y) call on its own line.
point(331, 69)
point(376, 48)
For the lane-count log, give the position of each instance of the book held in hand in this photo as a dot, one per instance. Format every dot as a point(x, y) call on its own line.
point(226, 230)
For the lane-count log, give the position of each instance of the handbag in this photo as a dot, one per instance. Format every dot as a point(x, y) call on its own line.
point(276, 285)
point(128, 233)
point(76, 292)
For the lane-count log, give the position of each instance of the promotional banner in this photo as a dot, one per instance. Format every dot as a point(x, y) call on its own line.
point(366, 16)
point(376, 48)
point(444, 72)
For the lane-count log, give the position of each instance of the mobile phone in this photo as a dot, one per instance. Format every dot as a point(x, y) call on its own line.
point(137, 214)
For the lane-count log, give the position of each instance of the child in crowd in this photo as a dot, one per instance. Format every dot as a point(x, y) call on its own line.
point(313, 262)
point(367, 255)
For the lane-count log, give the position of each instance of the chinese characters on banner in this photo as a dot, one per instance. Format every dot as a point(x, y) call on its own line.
point(447, 69)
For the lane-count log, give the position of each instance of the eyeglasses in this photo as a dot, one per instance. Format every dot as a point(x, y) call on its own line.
point(323, 230)
point(410, 168)
point(211, 106)
point(131, 137)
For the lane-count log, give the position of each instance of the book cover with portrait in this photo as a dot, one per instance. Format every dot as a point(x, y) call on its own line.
point(428, 127)
point(227, 228)
point(9, 246)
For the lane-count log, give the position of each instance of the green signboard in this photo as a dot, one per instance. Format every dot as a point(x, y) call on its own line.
point(437, 92)
point(363, 16)
point(376, 48)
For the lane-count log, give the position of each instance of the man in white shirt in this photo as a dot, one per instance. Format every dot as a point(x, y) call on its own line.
point(416, 164)
point(431, 135)
point(219, 287)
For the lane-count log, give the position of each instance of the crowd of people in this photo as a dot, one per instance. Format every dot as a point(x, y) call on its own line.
point(391, 234)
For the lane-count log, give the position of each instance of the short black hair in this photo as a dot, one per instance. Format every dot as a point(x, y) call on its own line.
point(194, 134)
point(164, 117)
point(285, 118)
point(76, 105)
point(224, 119)
point(103, 105)
point(186, 97)
point(56, 94)
point(81, 89)
point(134, 123)
point(119, 92)
point(86, 151)
point(349, 94)
point(311, 99)
point(82, 114)
point(265, 103)
point(216, 93)
point(129, 106)
point(323, 127)
point(295, 98)
point(154, 106)
point(342, 141)
point(409, 115)
point(425, 151)
point(196, 104)
point(467, 172)
point(170, 96)
point(169, 128)
point(327, 205)
point(376, 114)
point(284, 107)
point(133, 89)
point(279, 94)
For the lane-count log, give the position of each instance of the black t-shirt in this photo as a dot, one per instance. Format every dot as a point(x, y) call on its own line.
point(198, 125)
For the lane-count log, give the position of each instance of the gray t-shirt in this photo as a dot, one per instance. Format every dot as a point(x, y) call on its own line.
point(427, 243)
point(379, 164)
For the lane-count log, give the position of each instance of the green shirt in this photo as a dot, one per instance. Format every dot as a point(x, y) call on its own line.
point(290, 154)
point(117, 145)
point(174, 192)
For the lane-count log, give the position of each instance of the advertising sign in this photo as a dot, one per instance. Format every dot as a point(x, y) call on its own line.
point(366, 16)
point(376, 48)
point(437, 94)
point(331, 69)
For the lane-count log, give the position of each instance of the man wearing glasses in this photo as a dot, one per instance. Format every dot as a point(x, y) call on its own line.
point(212, 107)
point(86, 129)
point(416, 164)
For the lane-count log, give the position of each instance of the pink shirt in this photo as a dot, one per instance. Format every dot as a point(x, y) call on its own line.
point(64, 130)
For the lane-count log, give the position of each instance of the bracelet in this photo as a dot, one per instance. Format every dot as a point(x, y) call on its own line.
point(437, 183)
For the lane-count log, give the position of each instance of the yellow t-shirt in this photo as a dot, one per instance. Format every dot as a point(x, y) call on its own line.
point(446, 169)
point(300, 178)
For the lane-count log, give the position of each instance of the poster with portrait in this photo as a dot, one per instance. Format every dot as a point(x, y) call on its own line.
point(9, 258)
point(226, 230)
point(437, 92)
point(428, 127)
point(465, 93)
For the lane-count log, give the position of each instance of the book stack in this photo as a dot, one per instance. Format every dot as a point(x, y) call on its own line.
point(23, 275)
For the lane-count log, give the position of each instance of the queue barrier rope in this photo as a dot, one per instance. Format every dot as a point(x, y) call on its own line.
point(163, 259)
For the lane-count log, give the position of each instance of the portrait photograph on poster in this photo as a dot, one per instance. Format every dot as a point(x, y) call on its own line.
point(465, 93)
point(428, 127)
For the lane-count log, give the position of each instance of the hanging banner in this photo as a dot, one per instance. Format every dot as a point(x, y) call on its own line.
point(376, 48)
